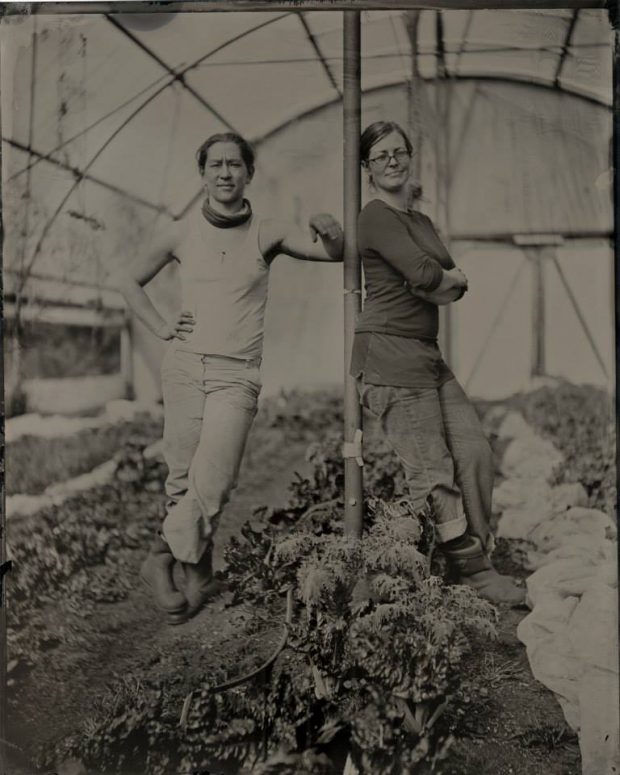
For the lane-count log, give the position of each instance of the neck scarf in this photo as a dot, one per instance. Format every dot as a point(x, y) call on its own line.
point(223, 221)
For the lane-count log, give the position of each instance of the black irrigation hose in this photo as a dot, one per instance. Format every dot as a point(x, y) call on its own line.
point(230, 684)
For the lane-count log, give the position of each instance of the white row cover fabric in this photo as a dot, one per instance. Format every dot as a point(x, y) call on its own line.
point(59, 426)
point(571, 635)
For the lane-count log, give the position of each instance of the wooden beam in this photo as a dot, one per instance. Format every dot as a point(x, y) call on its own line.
point(66, 315)
point(536, 240)
point(46, 289)
point(547, 238)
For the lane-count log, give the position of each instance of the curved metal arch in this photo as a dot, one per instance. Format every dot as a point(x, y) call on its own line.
point(532, 81)
point(50, 222)
point(177, 76)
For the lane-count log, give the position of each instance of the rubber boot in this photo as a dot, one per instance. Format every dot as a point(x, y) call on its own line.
point(200, 585)
point(476, 570)
point(156, 573)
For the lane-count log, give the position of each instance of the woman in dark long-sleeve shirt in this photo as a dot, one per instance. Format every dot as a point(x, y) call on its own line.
point(401, 375)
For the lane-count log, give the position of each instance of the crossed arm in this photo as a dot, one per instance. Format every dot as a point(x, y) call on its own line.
point(382, 230)
point(440, 298)
point(290, 240)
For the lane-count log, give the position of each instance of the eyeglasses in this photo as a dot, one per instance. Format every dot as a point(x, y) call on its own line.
point(401, 156)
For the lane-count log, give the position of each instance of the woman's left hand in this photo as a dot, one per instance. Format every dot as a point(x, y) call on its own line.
point(440, 298)
point(324, 225)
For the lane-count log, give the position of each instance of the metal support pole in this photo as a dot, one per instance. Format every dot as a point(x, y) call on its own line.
point(352, 269)
point(615, 17)
point(614, 13)
point(126, 347)
point(580, 317)
point(414, 107)
point(448, 322)
point(443, 94)
point(17, 381)
point(539, 364)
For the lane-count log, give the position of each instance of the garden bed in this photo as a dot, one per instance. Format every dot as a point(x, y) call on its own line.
point(34, 463)
point(580, 421)
point(120, 678)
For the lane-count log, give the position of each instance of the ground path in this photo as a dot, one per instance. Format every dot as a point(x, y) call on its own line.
point(128, 638)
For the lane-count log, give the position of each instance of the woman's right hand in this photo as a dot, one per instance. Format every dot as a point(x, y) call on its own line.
point(458, 278)
point(183, 324)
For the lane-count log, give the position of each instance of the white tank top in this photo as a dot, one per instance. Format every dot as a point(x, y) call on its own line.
point(224, 283)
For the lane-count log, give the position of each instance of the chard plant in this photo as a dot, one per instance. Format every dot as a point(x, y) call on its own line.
point(373, 653)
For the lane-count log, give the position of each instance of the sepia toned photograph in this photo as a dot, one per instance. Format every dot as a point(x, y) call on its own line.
point(309, 389)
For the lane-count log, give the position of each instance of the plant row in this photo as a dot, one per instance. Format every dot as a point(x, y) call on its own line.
point(374, 656)
point(33, 463)
point(84, 552)
point(579, 420)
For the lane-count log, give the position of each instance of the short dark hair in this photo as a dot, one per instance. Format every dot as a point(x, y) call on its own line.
point(377, 131)
point(247, 152)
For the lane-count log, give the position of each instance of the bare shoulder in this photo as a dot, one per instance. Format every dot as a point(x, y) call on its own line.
point(271, 234)
point(167, 237)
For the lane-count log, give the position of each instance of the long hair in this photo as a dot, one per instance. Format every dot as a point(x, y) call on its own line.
point(247, 152)
point(377, 131)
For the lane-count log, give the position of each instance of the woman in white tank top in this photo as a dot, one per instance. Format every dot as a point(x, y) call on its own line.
point(210, 372)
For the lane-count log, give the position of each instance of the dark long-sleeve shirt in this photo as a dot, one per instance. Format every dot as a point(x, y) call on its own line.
point(396, 333)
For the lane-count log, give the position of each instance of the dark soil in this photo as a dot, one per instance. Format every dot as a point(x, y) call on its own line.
point(89, 649)
point(519, 728)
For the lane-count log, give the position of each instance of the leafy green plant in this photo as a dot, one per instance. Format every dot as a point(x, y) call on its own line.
point(82, 553)
point(383, 637)
point(548, 736)
point(303, 414)
point(580, 422)
point(376, 663)
point(371, 661)
point(373, 657)
point(33, 463)
point(375, 647)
